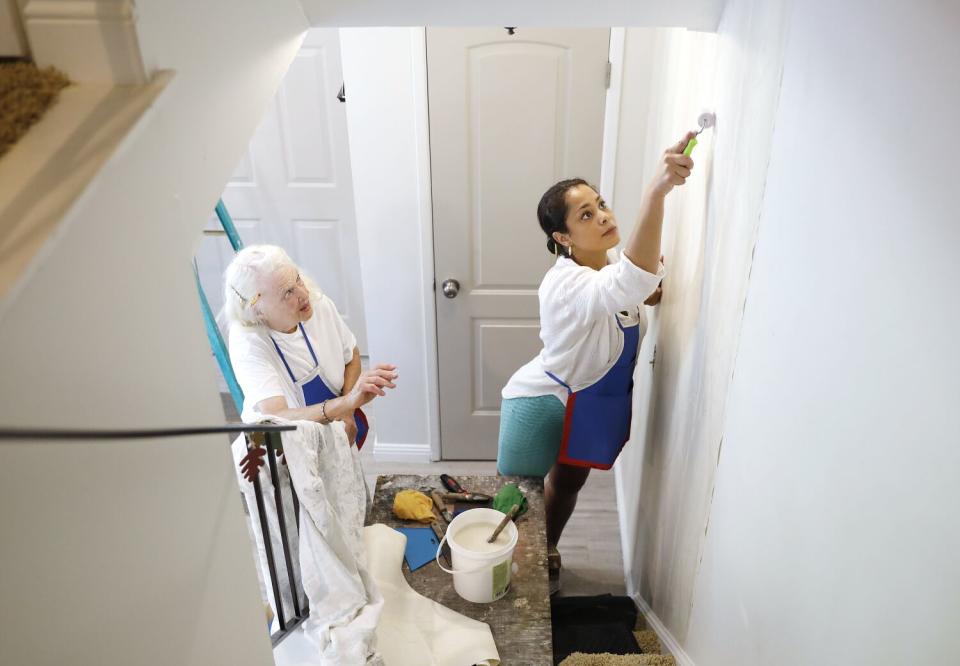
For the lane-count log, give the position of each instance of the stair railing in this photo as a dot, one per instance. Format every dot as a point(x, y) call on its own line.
point(262, 434)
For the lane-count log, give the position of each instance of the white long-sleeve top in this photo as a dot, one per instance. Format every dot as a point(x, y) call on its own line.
point(579, 308)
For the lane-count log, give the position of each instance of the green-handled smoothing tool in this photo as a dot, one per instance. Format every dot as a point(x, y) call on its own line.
point(705, 121)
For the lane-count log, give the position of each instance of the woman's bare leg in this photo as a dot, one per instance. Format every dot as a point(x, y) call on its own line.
point(560, 495)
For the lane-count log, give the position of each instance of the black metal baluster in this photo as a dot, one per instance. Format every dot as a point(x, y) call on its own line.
point(305, 611)
point(268, 546)
point(296, 505)
point(272, 439)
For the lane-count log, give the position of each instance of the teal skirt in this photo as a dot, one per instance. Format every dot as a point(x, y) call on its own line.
point(530, 434)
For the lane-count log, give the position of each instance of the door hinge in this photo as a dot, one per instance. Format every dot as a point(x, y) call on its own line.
point(609, 73)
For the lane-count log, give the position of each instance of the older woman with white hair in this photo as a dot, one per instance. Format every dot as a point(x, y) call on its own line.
point(295, 358)
point(292, 353)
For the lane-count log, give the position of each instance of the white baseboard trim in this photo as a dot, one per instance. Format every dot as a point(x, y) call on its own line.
point(406, 453)
point(666, 638)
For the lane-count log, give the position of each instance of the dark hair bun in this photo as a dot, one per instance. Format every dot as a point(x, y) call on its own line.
point(552, 212)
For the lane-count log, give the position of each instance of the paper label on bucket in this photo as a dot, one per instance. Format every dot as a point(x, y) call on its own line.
point(501, 579)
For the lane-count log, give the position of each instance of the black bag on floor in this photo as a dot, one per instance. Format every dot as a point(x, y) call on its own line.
point(593, 625)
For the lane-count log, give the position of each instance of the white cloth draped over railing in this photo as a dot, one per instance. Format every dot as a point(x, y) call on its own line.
point(343, 566)
point(344, 602)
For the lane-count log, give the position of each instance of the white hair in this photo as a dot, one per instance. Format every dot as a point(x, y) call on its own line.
point(244, 278)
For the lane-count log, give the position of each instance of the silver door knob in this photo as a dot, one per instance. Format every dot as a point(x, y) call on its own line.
point(450, 288)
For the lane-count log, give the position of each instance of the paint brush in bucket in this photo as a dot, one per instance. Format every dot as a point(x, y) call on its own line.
point(511, 514)
point(706, 120)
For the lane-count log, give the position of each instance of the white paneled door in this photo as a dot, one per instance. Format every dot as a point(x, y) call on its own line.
point(510, 114)
point(293, 187)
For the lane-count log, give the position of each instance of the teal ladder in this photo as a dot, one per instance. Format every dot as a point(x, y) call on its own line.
point(210, 321)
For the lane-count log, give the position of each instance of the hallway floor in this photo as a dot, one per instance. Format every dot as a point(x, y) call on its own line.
point(590, 547)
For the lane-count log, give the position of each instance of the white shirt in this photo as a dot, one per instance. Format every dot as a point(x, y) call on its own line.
point(579, 308)
point(260, 372)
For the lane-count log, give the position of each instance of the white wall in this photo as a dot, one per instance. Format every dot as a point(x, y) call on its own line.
point(828, 532)
point(91, 41)
point(834, 532)
point(665, 475)
point(664, 472)
point(12, 40)
point(696, 14)
point(136, 552)
point(384, 71)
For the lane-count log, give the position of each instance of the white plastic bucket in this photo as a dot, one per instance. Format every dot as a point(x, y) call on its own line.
point(480, 577)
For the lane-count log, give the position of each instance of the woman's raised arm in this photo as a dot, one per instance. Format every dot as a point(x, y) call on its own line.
point(643, 246)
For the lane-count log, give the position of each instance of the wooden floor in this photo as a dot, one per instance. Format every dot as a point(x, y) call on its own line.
point(590, 547)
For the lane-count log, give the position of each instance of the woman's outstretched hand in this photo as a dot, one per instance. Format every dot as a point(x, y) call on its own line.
point(373, 383)
point(674, 167)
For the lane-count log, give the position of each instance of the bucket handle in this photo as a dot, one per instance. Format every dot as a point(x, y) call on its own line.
point(455, 571)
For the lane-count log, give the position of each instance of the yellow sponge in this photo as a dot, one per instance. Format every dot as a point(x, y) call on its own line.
point(413, 505)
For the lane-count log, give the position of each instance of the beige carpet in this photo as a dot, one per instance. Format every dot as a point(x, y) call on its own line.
point(651, 656)
point(26, 92)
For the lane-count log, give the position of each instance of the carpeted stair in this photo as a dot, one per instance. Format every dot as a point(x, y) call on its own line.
point(646, 639)
point(26, 92)
point(603, 630)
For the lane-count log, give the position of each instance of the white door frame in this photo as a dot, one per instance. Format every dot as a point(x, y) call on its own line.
point(419, 49)
point(611, 117)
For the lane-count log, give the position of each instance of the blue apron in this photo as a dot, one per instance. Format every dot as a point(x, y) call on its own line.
point(315, 390)
point(597, 421)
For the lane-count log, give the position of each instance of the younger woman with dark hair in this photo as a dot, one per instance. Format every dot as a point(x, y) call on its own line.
point(568, 410)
